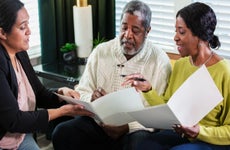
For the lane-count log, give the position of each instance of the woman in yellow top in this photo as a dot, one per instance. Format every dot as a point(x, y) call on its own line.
point(195, 39)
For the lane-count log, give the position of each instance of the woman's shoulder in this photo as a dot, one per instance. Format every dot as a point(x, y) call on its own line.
point(222, 65)
point(4, 58)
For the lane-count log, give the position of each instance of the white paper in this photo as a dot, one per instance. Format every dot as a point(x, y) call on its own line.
point(198, 94)
point(83, 30)
point(112, 108)
point(195, 98)
point(159, 116)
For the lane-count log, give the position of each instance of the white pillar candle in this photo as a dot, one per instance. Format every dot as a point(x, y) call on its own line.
point(83, 30)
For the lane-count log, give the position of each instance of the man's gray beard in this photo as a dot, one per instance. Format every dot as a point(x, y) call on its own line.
point(133, 52)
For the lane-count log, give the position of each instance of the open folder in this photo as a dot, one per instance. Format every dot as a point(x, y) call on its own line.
point(194, 99)
point(113, 107)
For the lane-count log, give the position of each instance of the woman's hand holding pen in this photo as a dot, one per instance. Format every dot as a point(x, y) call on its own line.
point(99, 92)
point(138, 81)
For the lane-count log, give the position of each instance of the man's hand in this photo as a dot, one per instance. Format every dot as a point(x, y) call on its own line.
point(99, 92)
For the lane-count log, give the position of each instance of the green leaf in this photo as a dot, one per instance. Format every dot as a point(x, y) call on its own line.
point(98, 40)
point(68, 47)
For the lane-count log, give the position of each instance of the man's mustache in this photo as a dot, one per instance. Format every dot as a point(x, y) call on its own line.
point(126, 41)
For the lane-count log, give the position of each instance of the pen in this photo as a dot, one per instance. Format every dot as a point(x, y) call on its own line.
point(122, 75)
point(139, 79)
point(136, 79)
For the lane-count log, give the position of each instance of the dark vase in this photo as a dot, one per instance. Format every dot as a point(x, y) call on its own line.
point(70, 57)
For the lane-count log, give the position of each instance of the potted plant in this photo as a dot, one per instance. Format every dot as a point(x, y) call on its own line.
point(69, 52)
point(98, 40)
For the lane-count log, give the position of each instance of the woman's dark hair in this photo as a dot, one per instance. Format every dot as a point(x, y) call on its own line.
point(201, 20)
point(136, 5)
point(8, 13)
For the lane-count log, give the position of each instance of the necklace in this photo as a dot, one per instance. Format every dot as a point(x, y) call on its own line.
point(206, 61)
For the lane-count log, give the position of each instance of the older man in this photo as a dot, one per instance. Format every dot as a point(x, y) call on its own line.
point(129, 53)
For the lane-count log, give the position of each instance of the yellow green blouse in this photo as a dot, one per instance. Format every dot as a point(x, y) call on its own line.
point(215, 126)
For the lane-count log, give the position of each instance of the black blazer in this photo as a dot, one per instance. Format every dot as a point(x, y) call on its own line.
point(11, 118)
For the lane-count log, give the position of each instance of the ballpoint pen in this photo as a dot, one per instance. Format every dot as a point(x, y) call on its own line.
point(136, 78)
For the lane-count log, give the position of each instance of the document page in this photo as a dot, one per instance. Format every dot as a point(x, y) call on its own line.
point(113, 107)
point(195, 98)
point(160, 117)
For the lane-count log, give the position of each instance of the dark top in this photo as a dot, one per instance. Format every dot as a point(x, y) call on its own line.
point(11, 118)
